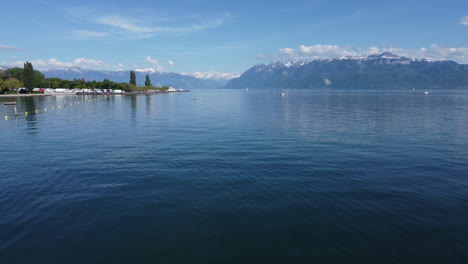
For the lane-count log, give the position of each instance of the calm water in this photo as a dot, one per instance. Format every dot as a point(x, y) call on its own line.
point(237, 176)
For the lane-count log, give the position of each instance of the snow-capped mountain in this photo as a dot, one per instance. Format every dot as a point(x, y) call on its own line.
point(146, 70)
point(379, 70)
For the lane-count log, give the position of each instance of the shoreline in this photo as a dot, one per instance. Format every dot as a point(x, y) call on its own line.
point(128, 93)
point(21, 95)
point(135, 92)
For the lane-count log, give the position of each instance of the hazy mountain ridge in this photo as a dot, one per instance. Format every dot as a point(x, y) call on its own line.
point(175, 80)
point(379, 71)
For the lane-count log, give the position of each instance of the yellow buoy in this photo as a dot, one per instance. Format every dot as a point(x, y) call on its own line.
point(52, 108)
point(37, 111)
point(25, 113)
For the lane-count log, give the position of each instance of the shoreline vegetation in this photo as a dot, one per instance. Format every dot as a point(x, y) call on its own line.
point(148, 92)
point(17, 82)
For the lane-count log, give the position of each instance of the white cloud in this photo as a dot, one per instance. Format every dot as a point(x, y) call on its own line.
point(170, 63)
point(87, 34)
point(464, 21)
point(8, 47)
point(287, 51)
point(140, 23)
point(154, 63)
point(213, 75)
point(54, 63)
point(147, 29)
point(123, 23)
point(120, 67)
point(327, 50)
point(89, 63)
point(303, 52)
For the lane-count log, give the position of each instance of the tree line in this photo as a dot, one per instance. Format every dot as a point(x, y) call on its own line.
point(29, 78)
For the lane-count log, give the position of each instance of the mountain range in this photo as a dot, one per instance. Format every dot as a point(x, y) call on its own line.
point(196, 80)
point(175, 80)
point(384, 70)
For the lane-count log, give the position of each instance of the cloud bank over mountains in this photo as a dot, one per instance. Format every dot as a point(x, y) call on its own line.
point(319, 51)
point(212, 75)
point(54, 63)
point(152, 66)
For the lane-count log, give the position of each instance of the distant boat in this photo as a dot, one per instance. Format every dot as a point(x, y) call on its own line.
point(9, 103)
point(426, 92)
point(282, 94)
point(246, 89)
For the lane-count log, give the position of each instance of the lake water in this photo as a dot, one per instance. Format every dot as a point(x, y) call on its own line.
point(321, 176)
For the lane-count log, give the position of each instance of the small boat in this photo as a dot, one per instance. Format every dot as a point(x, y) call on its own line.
point(282, 94)
point(9, 103)
point(426, 92)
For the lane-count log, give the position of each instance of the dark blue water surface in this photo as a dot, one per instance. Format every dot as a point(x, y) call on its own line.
point(321, 176)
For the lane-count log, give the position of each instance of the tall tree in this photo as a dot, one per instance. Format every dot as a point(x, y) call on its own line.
point(16, 73)
point(28, 76)
point(132, 78)
point(147, 81)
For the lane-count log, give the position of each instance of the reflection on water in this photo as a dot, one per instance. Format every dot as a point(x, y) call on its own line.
point(313, 176)
point(134, 106)
point(30, 107)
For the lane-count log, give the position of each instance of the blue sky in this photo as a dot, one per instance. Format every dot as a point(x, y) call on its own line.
point(225, 36)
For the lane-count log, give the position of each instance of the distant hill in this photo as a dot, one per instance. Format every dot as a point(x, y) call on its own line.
point(175, 80)
point(385, 70)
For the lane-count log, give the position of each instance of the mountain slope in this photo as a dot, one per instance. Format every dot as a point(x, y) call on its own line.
point(379, 71)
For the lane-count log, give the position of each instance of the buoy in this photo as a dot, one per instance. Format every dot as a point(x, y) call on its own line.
point(45, 109)
point(25, 113)
point(59, 106)
point(37, 111)
point(53, 108)
point(6, 117)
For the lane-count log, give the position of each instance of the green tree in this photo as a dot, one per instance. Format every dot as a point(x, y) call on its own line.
point(132, 78)
point(65, 84)
point(128, 87)
point(147, 81)
point(28, 76)
point(106, 84)
point(54, 82)
point(10, 84)
point(44, 84)
point(16, 73)
point(2, 86)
